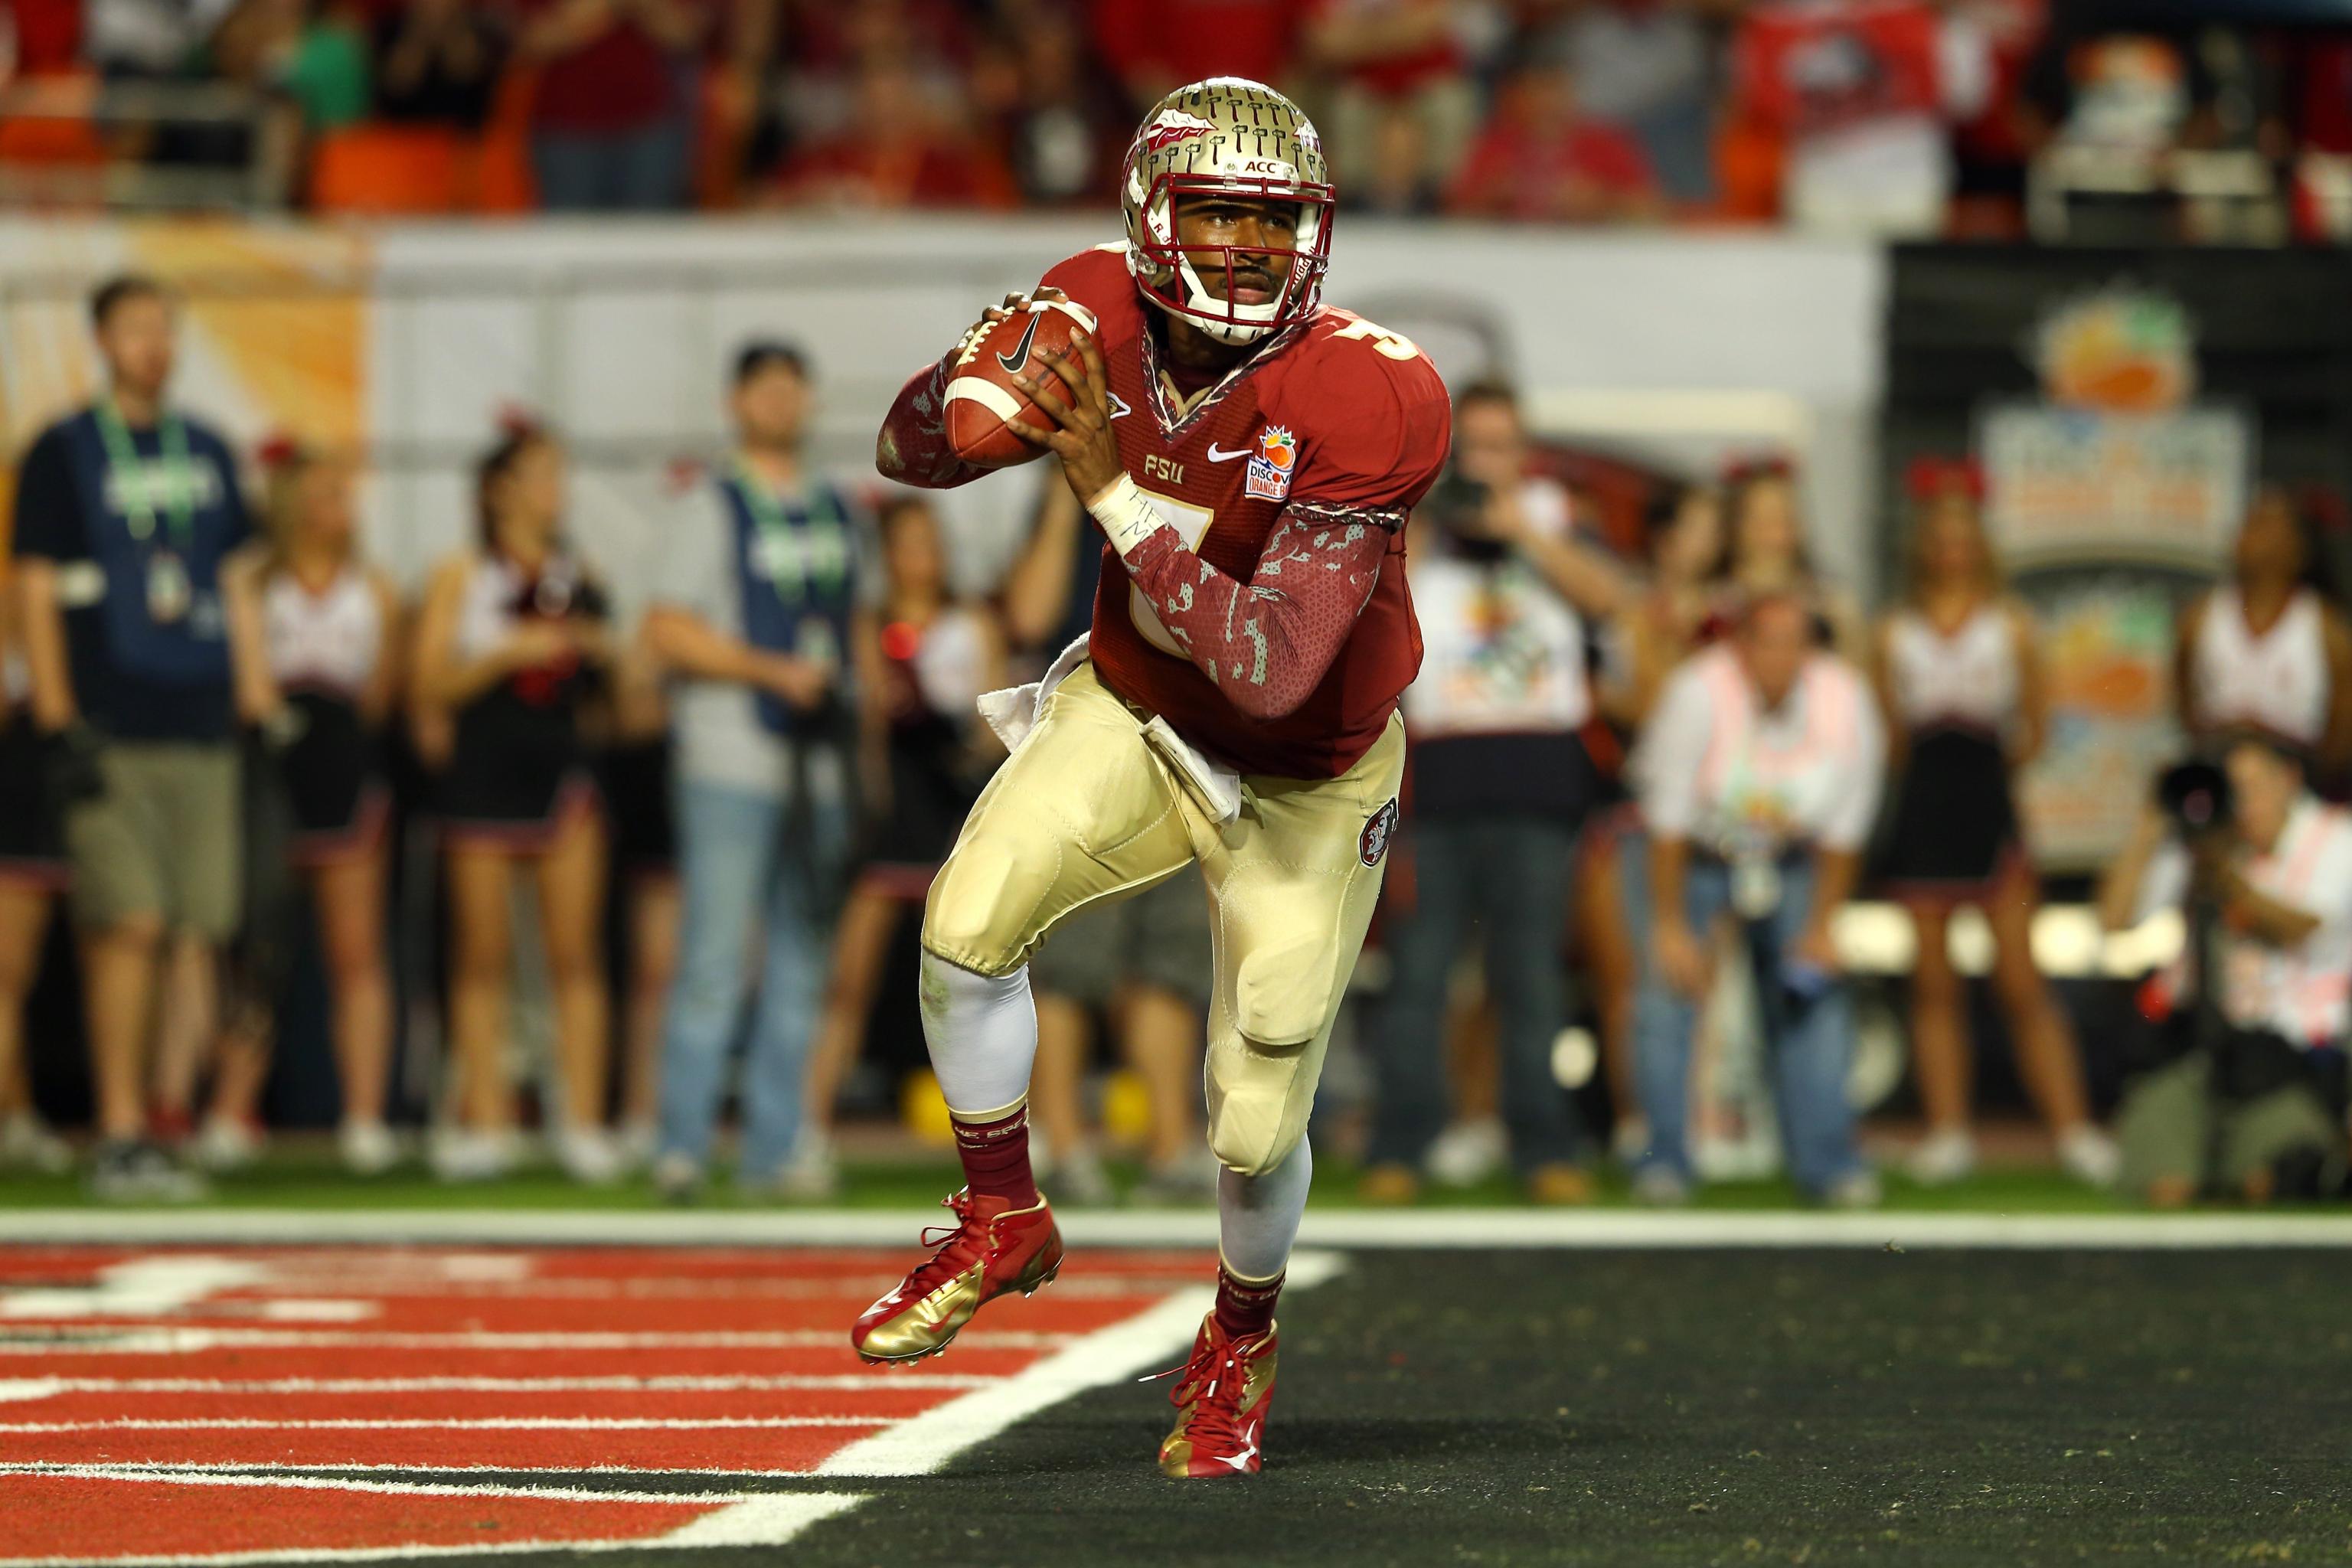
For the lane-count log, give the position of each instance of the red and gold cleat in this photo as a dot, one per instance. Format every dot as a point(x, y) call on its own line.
point(991, 1248)
point(1222, 1398)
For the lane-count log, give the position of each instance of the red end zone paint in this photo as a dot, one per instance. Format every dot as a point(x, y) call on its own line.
point(221, 1365)
point(89, 1520)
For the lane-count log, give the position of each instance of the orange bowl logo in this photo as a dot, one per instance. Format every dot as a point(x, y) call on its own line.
point(1270, 466)
point(2122, 350)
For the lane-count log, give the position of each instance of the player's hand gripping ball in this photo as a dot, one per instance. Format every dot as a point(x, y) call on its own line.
point(985, 392)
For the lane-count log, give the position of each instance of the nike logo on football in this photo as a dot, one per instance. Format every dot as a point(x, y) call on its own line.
point(1219, 455)
point(1020, 354)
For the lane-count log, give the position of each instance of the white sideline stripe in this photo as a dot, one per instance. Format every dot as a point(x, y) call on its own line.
point(142, 1341)
point(921, 1444)
point(233, 1475)
point(738, 1519)
point(453, 1424)
point(17, 1389)
point(1175, 1229)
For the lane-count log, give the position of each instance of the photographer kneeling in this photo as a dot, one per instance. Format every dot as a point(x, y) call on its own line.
point(2248, 1098)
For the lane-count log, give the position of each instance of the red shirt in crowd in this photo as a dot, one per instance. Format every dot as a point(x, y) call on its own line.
point(1163, 44)
point(1409, 71)
point(622, 80)
point(48, 35)
point(1581, 169)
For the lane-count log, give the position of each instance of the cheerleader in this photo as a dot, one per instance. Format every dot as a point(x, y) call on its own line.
point(2265, 650)
point(312, 632)
point(934, 657)
point(510, 636)
point(32, 874)
point(1960, 675)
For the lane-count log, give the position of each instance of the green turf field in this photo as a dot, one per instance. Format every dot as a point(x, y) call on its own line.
point(310, 1178)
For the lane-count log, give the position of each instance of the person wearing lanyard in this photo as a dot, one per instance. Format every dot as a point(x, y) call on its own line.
point(123, 513)
point(1757, 781)
point(756, 616)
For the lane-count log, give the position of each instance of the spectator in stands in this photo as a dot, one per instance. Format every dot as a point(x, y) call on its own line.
point(150, 39)
point(1859, 96)
point(1500, 788)
point(1764, 552)
point(613, 117)
point(511, 637)
point(1959, 668)
point(314, 630)
point(2247, 1098)
point(437, 63)
point(1759, 780)
point(124, 512)
point(899, 153)
point(1650, 67)
point(756, 616)
point(936, 657)
point(314, 57)
point(2138, 90)
point(1541, 157)
point(2269, 648)
point(1143, 964)
point(1402, 105)
point(637, 776)
point(40, 37)
point(1155, 46)
point(33, 872)
point(1655, 632)
point(1057, 120)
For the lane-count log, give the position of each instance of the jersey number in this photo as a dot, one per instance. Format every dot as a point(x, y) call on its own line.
point(1393, 344)
point(1191, 525)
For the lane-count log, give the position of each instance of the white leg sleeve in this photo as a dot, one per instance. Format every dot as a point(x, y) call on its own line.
point(1257, 1216)
point(983, 1035)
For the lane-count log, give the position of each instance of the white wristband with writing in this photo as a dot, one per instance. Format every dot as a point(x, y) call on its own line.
point(1126, 513)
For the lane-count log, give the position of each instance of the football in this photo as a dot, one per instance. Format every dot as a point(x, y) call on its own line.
point(982, 394)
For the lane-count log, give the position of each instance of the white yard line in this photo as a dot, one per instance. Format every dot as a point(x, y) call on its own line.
point(82, 1339)
point(19, 1389)
point(1185, 1228)
point(450, 1424)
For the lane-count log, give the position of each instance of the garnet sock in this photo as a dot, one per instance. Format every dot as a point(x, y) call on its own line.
point(1246, 1307)
point(996, 1158)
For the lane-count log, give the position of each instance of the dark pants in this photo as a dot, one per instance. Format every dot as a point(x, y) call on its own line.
point(1511, 876)
point(645, 170)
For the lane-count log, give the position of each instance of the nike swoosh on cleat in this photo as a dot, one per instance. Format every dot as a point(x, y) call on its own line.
point(1217, 454)
point(1020, 354)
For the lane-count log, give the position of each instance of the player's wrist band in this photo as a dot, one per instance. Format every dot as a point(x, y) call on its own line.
point(1126, 513)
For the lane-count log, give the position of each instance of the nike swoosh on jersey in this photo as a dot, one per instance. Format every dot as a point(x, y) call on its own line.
point(1218, 454)
point(1020, 354)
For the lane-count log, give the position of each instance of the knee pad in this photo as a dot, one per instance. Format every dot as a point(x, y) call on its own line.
point(1285, 992)
point(1257, 1105)
point(975, 912)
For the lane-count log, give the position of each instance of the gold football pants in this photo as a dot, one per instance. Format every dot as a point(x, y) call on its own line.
point(1086, 812)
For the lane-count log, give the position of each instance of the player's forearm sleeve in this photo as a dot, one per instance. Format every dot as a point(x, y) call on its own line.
point(912, 448)
point(1268, 642)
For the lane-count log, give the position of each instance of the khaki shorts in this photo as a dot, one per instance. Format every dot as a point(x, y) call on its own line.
point(1159, 938)
point(162, 842)
point(1086, 812)
point(2172, 1125)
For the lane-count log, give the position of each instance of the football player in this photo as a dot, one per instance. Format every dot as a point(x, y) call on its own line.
point(1251, 456)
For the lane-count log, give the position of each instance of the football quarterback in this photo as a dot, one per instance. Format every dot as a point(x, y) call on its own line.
point(1251, 456)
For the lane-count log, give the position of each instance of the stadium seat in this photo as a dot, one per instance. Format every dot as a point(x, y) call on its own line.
point(388, 169)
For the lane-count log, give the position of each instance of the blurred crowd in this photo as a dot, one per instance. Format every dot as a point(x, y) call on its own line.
point(1647, 782)
point(1905, 118)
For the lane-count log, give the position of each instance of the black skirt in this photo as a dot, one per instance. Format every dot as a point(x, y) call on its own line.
point(32, 838)
point(515, 769)
point(1954, 821)
point(932, 787)
point(333, 771)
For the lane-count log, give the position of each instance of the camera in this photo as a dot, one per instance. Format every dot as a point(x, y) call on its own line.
point(1458, 505)
point(2194, 796)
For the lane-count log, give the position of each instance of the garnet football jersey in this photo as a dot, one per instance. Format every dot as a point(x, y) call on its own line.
point(1333, 416)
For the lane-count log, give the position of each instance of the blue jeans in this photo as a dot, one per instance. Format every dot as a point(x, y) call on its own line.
point(1810, 1039)
point(1510, 875)
point(744, 857)
point(645, 170)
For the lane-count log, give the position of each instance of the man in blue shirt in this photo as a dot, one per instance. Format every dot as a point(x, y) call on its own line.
point(124, 511)
point(757, 616)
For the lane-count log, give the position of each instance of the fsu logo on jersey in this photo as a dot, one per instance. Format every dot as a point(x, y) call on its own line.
point(1270, 466)
point(1374, 843)
point(1172, 127)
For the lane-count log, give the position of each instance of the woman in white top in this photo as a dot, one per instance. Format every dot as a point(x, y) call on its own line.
point(1960, 675)
point(313, 630)
point(2265, 650)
